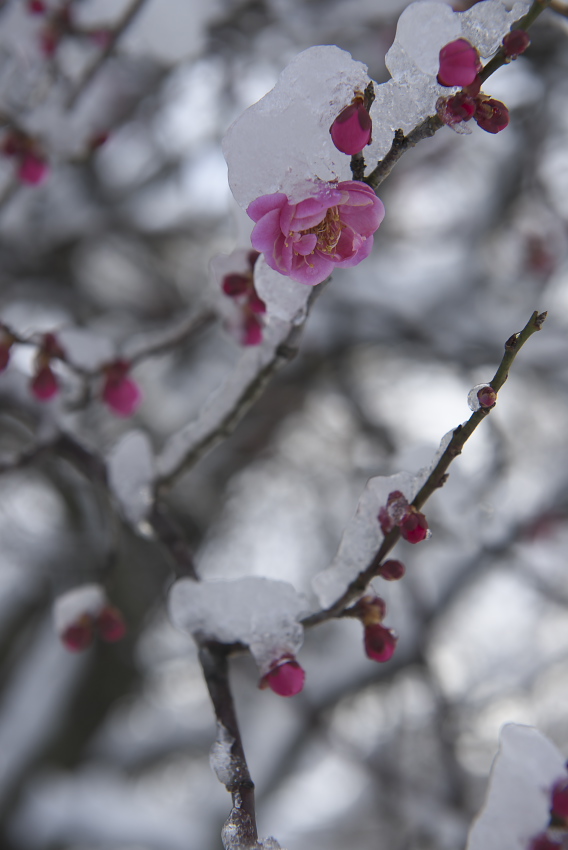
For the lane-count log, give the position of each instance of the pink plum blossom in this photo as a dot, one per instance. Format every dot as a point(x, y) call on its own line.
point(307, 240)
point(459, 63)
point(120, 392)
point(351, 130)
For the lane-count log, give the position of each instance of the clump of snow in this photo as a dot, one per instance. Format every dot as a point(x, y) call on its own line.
point(131, 475)
point(85, 349)
point(72, 605)
point(282, 143)
point(517, 805)
point(261, 613)
point(362, 537)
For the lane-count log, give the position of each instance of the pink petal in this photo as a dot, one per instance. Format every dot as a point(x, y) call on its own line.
point(122, 396)
point(305, 244)
point(313, 270)
point(459, 63)
point(266, 232)
point(265, 204)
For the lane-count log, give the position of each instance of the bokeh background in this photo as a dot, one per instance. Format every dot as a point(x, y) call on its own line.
point(110, 748)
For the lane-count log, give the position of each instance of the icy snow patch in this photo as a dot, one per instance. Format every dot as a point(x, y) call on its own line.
point(362, 537)
point(221, 757)
point(258, 612)
point(517, 805)
point(85, 349)
point(284, 298)
point(282, 143)
point(131, 475)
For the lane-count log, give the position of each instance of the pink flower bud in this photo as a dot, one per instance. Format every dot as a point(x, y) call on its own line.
point(415, 527)
point(452, 110)
point(515, 43)
point(559, 807)
point(36, 7)
point(121, 393)
point(380, 642)
point(110, 624)
point(256, 304)
point(487, 396)
point(543, 842)
point(79, 635)
point(44, 384)
point(491, 115)
point(48, 40)
point(392, 570)
point(286, 678)
point(32, 169)
point(351, 130)
point(252, 330)
point(234, 285)
point(459, 63)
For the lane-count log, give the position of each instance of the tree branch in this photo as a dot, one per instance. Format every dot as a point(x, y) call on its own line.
point(437, 477)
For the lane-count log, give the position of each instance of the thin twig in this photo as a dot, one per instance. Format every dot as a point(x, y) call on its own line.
point(437, 477)
point(117, 32)
point(240, 829)
point(431, 125)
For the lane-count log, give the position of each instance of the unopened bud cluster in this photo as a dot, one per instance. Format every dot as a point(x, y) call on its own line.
point(83, 614)
point(460, 65)
point(240, 287)
point(399, 513)
point(379, 641)
point(119, 391)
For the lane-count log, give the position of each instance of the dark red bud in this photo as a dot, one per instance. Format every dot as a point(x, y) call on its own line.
point(392, 570)
point(515, 43)
point(491, 115)
point(380, 642)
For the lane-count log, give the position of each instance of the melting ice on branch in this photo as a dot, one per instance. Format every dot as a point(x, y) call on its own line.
point(261, 613)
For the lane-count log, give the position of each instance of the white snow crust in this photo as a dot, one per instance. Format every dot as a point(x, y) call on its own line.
point(363, 536)
point(284, 299)
point(70, 606)
point(517, 804)
point(220, 757)
point(258, 612)
point(131, 475)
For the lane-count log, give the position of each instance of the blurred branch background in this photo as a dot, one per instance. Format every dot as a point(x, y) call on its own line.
point(110, 748)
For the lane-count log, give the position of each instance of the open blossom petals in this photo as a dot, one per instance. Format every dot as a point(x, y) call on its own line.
point(305, 244)
point(306, 240)
point(258, 208)
point(267, 231)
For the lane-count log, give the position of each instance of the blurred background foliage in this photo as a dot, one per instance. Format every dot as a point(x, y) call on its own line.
point(110, 748)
